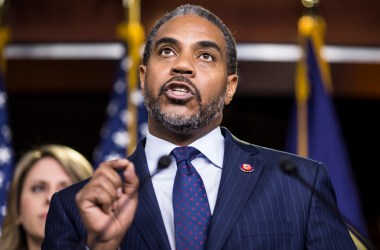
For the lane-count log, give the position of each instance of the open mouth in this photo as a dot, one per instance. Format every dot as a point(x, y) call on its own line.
point(179, 91)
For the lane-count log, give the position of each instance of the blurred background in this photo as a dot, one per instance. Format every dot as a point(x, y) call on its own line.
point(62, 97)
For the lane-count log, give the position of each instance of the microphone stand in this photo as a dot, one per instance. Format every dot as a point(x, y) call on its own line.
point(291, 169)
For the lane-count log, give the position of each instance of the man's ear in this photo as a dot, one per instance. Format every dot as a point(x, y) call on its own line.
point(142, 72)
point(232, 82)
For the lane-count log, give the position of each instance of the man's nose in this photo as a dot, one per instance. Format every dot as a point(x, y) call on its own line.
point(183, 65)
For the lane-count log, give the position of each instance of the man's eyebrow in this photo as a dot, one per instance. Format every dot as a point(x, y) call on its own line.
point(166, 40)
point(209, 44)
point(200, 44)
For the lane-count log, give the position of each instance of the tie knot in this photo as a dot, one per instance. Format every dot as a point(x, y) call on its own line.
point(184, 153)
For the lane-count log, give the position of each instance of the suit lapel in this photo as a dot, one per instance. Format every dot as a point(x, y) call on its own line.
point(235, 188)
point(148, 219)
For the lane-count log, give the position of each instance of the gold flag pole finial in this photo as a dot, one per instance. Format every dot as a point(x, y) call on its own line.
point(132, 33)
point(310, 3)
point(311, 7)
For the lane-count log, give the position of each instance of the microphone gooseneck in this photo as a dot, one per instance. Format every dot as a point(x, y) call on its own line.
point(291, 169)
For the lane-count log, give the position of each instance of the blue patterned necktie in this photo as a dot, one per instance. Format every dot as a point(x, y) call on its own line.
point(191, 208)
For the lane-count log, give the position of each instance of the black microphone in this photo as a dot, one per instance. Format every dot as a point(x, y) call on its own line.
point(291, 169)
point(162, 163)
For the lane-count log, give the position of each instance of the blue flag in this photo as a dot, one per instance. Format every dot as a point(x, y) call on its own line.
point(6, 151)
point(114, 136)
point(315, 132)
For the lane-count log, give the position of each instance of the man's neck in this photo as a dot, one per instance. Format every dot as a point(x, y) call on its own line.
point(177, 137)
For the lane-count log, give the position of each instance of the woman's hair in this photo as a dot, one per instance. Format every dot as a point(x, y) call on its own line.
point(73, 163)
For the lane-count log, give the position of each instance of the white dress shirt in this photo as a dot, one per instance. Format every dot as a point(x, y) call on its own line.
point(208, 164)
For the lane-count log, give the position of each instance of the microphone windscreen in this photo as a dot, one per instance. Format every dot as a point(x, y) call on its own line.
point(288, 166)
point(164, 162)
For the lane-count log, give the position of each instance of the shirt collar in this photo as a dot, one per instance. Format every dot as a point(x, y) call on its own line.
point(211, 146)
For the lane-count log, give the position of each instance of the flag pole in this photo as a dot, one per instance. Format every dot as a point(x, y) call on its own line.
point(310, 25)
point(4, 38)
point(132, 33)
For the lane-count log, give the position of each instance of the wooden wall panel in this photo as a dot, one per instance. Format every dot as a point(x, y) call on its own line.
point(349, 21)
point(271, 21)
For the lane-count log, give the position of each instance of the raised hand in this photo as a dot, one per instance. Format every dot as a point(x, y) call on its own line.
point(107, 206)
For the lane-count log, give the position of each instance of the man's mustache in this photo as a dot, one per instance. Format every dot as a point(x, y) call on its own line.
point(181, 79)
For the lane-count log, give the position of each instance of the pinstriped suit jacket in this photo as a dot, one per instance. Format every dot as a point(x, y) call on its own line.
point(264, 209)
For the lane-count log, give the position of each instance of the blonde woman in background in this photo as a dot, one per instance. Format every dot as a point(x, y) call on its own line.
point(38, 175)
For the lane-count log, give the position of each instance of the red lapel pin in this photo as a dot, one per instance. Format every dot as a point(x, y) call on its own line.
point(246, 167)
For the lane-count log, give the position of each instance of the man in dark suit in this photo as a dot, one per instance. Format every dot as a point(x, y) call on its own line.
point(189, 73)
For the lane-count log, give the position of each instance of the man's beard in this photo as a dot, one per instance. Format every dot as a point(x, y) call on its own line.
point(205, 115)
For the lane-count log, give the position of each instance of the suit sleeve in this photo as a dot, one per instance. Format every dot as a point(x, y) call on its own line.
point(63, 230)
point(326, 228)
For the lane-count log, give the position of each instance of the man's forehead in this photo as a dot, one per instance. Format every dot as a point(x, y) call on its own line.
point(184, 25)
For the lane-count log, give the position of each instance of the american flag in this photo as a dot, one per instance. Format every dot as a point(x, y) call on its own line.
point(6, 151)
point(114, 137)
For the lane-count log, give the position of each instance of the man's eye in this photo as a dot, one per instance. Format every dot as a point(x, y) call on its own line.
point(166, 52)
point(207, 57)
